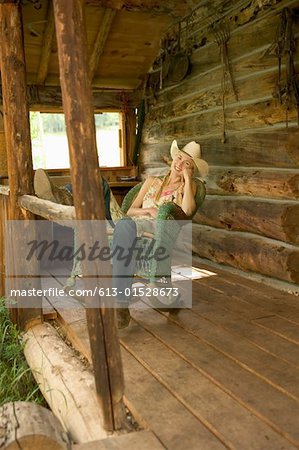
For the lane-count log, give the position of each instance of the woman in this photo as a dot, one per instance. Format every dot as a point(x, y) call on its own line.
point(178, 187)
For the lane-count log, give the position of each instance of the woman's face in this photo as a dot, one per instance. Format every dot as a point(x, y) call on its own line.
point(182, 162)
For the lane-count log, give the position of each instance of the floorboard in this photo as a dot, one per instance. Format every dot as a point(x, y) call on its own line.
point(224, 374)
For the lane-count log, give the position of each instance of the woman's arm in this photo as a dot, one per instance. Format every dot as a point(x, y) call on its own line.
point(188, 202)
point(136, 207)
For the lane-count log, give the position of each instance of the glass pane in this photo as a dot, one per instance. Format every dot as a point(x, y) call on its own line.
point(107, 129)
point(49, 140)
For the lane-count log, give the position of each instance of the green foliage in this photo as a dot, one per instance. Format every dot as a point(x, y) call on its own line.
point(34, 126)
point(53, 123)
point(16, 379)
point(106, 120)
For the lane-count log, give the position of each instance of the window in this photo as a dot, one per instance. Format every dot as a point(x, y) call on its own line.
point(49, 141)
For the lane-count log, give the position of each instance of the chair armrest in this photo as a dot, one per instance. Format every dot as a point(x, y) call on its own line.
point(171, 210)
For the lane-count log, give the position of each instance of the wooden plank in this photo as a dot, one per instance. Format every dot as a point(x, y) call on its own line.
point(99, 82)
point(169, 7)
point(205, 92)
point(46, 46)
point(145, 440)
point(18, 143)
point(281, 327)
point(199, 394)
point(45, 97)
point(238, 117)
point(178, 429)
point(268, 367)
point(88, 200)
point(260, 398)
point(257, 254)
point(99, 43)
point(268, 183)
point(274, 219)
point(161, 324)
point(144, 408)
point(259, 294)
point(257, 148)
point(237, 299)
point(229, 316)
point(49, 312)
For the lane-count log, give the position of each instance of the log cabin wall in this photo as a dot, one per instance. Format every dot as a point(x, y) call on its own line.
point(250, 218)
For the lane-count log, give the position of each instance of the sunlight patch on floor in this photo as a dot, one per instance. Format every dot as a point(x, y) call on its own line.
point(180, 273)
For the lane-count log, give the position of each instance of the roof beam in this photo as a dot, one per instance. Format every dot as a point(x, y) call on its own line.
point(46, 47)
point(44, 98)
point(100, 40)
point(173, 8)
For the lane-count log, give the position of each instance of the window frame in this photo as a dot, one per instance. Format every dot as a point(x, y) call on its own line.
point(122, 137)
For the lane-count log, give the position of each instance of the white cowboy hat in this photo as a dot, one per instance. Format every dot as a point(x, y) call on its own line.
point(191, 149)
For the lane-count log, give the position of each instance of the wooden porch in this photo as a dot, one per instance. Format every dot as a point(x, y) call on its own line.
point(223, 374)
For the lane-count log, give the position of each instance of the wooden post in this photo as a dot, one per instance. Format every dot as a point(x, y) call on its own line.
point(3, 156)
point(17, 131)
point(3, 207)
point(88, 196)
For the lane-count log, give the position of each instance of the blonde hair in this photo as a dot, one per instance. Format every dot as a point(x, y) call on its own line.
point(164, 181)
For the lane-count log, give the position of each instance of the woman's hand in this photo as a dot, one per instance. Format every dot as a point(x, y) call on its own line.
point(152, 212)
point(187, 173)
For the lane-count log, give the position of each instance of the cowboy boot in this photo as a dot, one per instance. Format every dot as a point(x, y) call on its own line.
point(123, 317)
point(44, 188)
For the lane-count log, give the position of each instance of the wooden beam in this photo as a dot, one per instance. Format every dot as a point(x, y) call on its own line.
point(47, 97)
point(44, 432)
point(276, 219)
point(46, 46)
point(18, 141)
point(266, 182)
point(49, 210)
point(88, 202)
point(256, 254)
point(65, 383)
point(125, 83)
point(171, 8)
point(100, 40)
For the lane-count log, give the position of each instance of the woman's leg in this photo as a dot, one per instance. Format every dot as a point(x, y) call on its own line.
point(45, 188)
point(123, 259)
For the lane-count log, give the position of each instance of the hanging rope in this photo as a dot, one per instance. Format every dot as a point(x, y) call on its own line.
point(222, 36)
point(287, 91)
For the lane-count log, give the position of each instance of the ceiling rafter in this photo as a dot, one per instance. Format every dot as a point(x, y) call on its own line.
point(100, 40)
point(173, 8)
point(46, 47)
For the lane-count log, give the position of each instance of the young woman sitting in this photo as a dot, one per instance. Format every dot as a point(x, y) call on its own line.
point(179, 187)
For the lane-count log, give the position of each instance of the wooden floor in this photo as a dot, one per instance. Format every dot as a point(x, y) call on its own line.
point(224, 374)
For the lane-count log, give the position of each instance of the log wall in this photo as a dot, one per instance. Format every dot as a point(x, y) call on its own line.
point(250, 218)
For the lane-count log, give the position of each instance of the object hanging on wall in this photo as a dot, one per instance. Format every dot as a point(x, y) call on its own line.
point(287, 86)
point(222, 35)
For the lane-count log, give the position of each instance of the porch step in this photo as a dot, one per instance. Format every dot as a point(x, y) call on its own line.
point(139, 440)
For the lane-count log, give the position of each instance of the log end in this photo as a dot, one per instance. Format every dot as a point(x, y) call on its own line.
point(30, 426)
